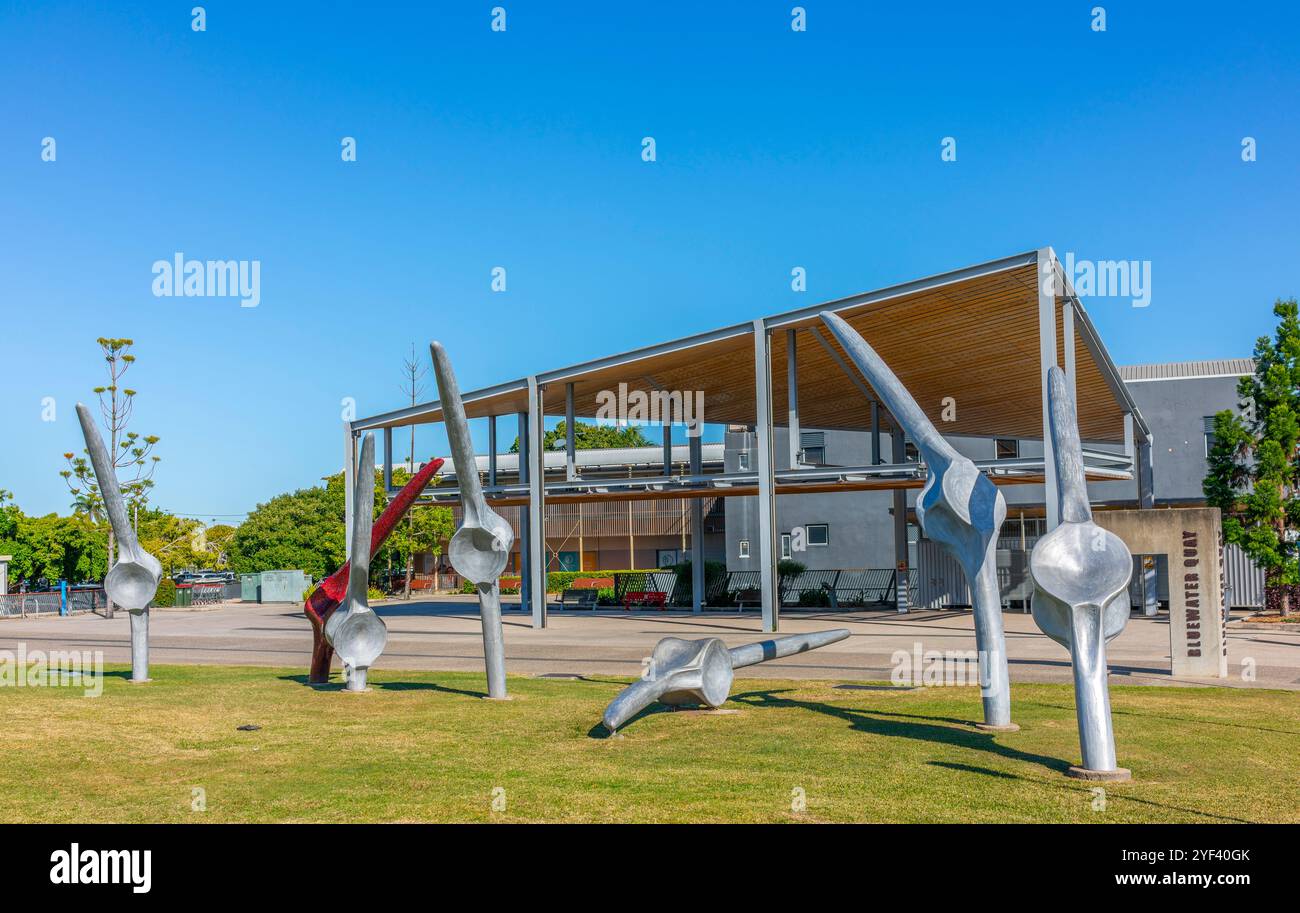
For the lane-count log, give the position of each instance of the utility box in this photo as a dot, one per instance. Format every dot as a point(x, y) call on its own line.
point(282, 586)
point(273, 586)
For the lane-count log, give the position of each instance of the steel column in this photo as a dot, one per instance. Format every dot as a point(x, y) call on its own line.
point(570, 447)
point(767, 546)
point(349, 475)
point(1047, 359)
point(536, 502)
point(492, 451)
point(902, 598)
point(792, 396)
point(1145, 476)
point(696, 443)
point(388, 461)
point(525, 522)
point(875, 433)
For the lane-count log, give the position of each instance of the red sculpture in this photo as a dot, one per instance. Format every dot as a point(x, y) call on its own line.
point(327, 596)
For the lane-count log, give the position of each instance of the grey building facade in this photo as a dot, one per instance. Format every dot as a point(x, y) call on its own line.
point(853, 530)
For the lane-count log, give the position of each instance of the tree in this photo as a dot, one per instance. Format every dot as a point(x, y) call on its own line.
point(129, 451)
point(591, 437)
point(303, 530)
point(218, 538)
point(412, 372)
point(1254, 466)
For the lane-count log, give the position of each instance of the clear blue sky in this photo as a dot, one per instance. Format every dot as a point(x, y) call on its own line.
point(522, 149)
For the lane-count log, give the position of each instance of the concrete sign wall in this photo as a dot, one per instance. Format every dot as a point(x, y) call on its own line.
point(1190, 537)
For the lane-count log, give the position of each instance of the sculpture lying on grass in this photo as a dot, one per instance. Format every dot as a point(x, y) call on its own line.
point(133, 581)
point(325, 599)
point(1081, 574)
point(480, 548)
point(700, 672)
point(960, 508)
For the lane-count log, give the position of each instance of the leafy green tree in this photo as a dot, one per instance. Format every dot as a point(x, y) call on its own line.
point(303, 530)
point(1254, 465)
point(592, 437)
point(218, 538)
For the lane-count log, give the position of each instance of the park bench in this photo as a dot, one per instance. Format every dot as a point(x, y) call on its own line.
point(645, 598)
point(584, 592)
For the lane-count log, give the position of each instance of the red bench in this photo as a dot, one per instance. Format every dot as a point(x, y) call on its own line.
point(645, 598)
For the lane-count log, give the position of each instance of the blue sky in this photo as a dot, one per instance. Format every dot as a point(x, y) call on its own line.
point(523, 149)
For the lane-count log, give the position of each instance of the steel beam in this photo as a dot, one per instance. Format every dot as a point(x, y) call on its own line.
point(536, 502)
point(767, 546)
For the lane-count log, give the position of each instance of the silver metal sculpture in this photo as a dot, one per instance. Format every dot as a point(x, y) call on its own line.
point(700, 672)
point(1081, 574)
point(355, 632)
point(480, 548)
point(133, 581)
point(960, 508)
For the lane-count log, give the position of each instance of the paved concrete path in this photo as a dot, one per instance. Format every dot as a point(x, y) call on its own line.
point(443, 633)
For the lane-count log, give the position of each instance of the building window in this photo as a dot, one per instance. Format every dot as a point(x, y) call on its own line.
point(910, 453)
point(1007, 448)
point(744, 548)
point(1209, 435)
point(665, 557)
point(812, 446)
point(742, 460)
point(818, 534)
point(785, 545)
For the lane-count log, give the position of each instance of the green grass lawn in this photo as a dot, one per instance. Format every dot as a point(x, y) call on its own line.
point(423, 746)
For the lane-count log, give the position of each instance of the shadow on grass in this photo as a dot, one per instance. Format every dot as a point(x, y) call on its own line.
point(967, 768)
point(1117, 711)
point(383, 686)
point(933, 730)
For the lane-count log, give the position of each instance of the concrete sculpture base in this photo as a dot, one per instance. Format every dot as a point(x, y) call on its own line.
point(994, 727)
point(1118, 775)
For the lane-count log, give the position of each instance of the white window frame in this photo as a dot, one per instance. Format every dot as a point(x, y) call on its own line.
point(808, 539)
point(744, 548)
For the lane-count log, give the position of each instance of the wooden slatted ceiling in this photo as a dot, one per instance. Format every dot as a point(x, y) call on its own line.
point(975, 341)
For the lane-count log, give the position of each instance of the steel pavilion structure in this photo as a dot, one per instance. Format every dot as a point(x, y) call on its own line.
point(973, 346)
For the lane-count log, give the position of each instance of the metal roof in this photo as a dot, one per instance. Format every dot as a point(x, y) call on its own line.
point(1186, 370)
point(965, 343)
